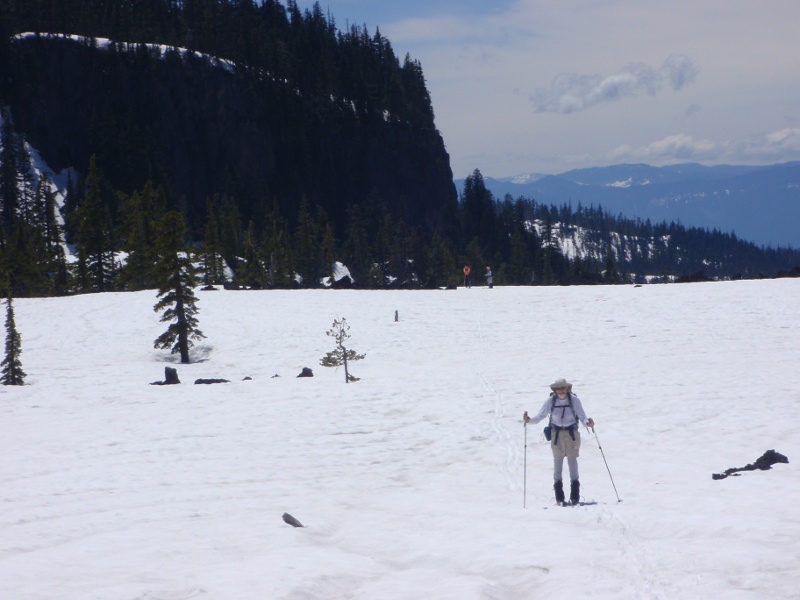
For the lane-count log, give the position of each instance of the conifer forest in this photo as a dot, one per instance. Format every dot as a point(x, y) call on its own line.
point(286, 145)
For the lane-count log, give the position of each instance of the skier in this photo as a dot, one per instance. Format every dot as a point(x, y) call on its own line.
point(489, 277)
point(565, 411)
point(466, 276)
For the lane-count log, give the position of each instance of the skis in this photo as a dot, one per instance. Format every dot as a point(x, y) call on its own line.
point(568, 505)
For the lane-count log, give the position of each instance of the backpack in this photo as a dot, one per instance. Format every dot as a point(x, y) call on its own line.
point(548, 430)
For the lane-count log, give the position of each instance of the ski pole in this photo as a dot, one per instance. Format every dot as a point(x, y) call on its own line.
point(525, 461)
point(605, 461)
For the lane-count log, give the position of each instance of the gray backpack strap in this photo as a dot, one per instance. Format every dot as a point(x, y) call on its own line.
point(554, 396)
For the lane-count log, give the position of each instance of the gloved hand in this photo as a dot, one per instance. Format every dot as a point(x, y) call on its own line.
point(525, 418)
point(590, 423)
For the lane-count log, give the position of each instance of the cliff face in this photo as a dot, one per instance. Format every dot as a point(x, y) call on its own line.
point(201, 127)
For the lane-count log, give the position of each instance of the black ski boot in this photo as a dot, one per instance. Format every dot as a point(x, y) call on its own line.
point(559, 488)
point(574, 492)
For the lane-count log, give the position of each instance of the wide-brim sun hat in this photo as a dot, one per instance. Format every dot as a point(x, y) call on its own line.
point(561, 383)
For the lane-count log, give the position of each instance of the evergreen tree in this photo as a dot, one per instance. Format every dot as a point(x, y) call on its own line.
point(12, 373)
point(141, 213)
point(27, 184)
point(357, 254)
point(480, 219)
point(519, 267)
point(27, 275)
point(610, 273)
point(251, 272)
point(278, 252)
point(95, 235)
point(384, 245)
point(212, 261)
point(440, 264)
point(307, 245)
point(35, 258)
point(402, 248)
point(341, 355)
point(51, 232)
point(177, 279)
point(328, 251)
point(231, 234)
point(71, 201)
point(9, 176)
point(549, 249)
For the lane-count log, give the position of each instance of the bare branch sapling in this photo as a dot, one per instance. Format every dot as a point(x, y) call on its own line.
point(341, 355)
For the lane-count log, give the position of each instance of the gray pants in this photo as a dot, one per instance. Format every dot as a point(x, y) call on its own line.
point(567, 448)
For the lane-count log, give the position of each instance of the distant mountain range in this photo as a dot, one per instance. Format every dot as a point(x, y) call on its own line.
point(758, 204)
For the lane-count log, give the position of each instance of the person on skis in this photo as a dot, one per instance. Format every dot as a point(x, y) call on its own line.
point(565, 411)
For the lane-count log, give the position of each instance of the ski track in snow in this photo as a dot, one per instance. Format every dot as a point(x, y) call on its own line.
point(510, 468)
point(639, 571)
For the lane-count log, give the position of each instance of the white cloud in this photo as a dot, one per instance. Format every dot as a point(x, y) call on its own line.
point(571, 92)
point(784, 137)
point(772, 147)
point(679, 147)
point(767, 148)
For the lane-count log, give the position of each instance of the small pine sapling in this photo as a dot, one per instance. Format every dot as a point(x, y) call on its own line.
point(12, 373)
point(341, 355)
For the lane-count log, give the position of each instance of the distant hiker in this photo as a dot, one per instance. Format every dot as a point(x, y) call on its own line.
point(565, 411)
point(466, 276)
point(489, 277)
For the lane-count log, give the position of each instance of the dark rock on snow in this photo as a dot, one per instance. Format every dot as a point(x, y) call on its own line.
point(170, 377)
point(287, 518)
point(763, 463)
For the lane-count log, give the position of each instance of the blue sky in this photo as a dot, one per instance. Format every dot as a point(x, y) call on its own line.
point(545, 86)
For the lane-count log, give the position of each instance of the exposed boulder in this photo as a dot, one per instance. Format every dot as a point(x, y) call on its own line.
point(763, 463)
point(287, 518)
point(170, 377)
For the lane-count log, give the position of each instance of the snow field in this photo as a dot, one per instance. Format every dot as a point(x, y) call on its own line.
point(410, 481)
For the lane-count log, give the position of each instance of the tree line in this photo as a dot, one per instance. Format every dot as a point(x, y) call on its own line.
point(112, 241)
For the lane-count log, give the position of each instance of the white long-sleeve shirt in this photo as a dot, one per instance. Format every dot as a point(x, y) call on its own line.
point(562, 415)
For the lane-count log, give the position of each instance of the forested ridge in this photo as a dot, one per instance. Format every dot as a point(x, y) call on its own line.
point(286, 144)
